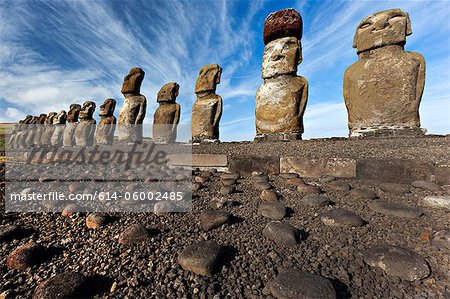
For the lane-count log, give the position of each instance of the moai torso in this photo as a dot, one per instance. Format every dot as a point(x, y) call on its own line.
point(30, 132)
point(60, 124)
point(48, 129)
point(85, 130)
point(383, 89)
point(21, 128)
point(281, 99)
point(207, 110)
point(40, 128)
point(107, 124)
point(132, 113)
point(167, 116)
point(72, 122)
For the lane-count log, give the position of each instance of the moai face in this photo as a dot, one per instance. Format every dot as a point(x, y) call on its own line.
point(60, 118)
point(283, 23)
point(168, 93)
point(281, 56)
point(74, 111)
point(388, 27)
point(132, 82)
point(34, 120)
point(27, 119)
point(208, 78)
point(41, 119)
point(87, 111)
point(49, 120)
point(107, 108)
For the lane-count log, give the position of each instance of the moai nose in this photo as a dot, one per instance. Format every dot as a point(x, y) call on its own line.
point(380, 24)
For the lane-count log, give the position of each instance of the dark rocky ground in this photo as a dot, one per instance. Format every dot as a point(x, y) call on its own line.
point(250, 261)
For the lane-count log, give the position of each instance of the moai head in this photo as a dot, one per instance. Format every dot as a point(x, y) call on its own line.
point(387, 27)
point(49, 120)
point(281, 56)
point(87, 111)
point(208, 78)
point(27, 119)
point(34, 120)
point(41, 119)
point(74, 111)
point(132, 82)
point(60, 118)
point(168, 93)
point(107, 108)
point(283, 23)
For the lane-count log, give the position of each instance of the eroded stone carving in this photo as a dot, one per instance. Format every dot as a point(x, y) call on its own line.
point(167, 116)
point(85, 130)
point(281, 99)
point(59, 121)
point(107, 124)
point(207, 109)
point(383, 89)
point(48, 129)
point(21, 129)
point(40, 128)
point(30, 132)
point(132, 113)
point(72, 122)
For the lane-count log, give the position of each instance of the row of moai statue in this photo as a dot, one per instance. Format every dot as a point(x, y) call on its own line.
point(382, 92)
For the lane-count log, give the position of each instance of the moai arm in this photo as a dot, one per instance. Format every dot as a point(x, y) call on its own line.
point(176, 119)
point(141, 114)
point(112, 126)
point(218, 112)
point(420, 77)
point(303, 102)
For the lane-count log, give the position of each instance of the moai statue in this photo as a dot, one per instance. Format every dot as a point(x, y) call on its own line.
point(13, 134)
point(132, 113)
point(59, 121)
point(31, 132)
point(383, 89)
point(107, 124)
point(85, 130)
point(48, 130)
point(207, 109)
point(40, 125)
point(72, 122)
point(167, 116)
point(281, 99)
point(21, 129)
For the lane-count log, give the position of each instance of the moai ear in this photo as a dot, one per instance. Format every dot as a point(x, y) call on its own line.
point(300, 53)
point(218, 75)
point(355, 38)
point(408, 24)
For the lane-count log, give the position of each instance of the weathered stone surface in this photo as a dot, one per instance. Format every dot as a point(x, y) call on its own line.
point(441, 239)
point(281, 233)
point(426, 185)
point(198, 160)
point(317, 167)
point(211, 219)
point(293, 284)
point(282, 23)
point(288, 175)
point(24, 256)
point(281, 57)
point(339, 218)
point(70, 210)
point(262, 185)
point(442, 173)
point(246, 164)
point(207, 109)
point(272, 210)
point(96, 220)
point(268, 195)
point(167, 116)
point(234, 176)
point(295, 182)
point(436, 201)
point(64, 285)
point(363, 194)
point(85, 130)
point(397, 261)
point(48, 130)
point(226, 190)
point(202, 258)
point(395, 209)
point(395, 188)
point(338, 185)
point(72, 122)
point(133, 81)
point(315, 200)
point(59, 122)
point(40, 128)
point(385, 78)
point(107, 125)
point(308, 189)
point(134, 234)
point(9, 232)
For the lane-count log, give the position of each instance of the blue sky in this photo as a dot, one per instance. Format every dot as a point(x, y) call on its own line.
point(54, 53)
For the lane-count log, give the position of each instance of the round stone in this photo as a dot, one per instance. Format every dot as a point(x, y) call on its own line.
point(395, 188)
point(340, 218)
point(326, 178)
point(65, 285)
point(200, 179)
point(282, 23)
point(308, 189)
point(95, 220)
point(262, 186)
point(397, 261)
point(70, 210)
point(426, 185)
point(338, 186)
point(134, 234)
point(24, 256)
point(315, 200)
point(295, 182)
point(234, 176)
point(211, 219)
point(281, 233)
point(441, 239)
point(228, 182)
point(363, 194)
point(272, 210)
point(268, 195)
point(202, 258)
point(293, 284)
point(395, 209)
point(288, 175)
point(435, 201)
point(226, 190)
